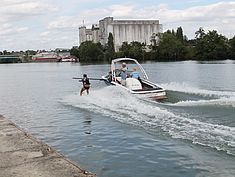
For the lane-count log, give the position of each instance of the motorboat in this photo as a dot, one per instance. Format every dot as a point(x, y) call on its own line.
point(68, 59)
point(46, 57)
point(141, 86)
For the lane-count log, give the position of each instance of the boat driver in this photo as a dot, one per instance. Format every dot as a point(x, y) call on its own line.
point(123, 74)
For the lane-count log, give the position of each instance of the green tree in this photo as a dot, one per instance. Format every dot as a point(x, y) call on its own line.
point(170, 32)
point(27, 55)
point(75, 51)
point(133, 50)
point(137, 50)
point(179, 34)
point(232, 48)
point(5, 52)
point(124, 49)
point(170, 47)
point(153, 53)
point(110, 51)
point(200, 33)
point(173, 32)
point(211, 46)
point(89, 51)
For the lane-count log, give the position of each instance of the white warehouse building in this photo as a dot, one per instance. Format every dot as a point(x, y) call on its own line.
point(122, 30)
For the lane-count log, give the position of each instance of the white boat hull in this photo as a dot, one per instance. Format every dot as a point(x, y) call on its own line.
point(156, 94)
point(140, 86)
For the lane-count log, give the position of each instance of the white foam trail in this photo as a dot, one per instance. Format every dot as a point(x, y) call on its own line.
point(127, 108)
point(228, 102)
point(186, 88)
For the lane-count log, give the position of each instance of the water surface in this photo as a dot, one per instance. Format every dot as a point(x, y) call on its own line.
point(113, 133)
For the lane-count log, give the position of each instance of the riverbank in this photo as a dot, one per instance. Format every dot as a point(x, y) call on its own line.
point(23, 155)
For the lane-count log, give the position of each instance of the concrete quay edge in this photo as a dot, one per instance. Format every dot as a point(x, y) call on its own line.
point(22, 155)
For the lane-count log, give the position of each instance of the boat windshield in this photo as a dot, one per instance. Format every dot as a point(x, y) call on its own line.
point(131, 67)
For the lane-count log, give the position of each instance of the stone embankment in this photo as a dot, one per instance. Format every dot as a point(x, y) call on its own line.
point(21, 155)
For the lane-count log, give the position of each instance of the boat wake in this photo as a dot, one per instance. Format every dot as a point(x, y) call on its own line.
point(228, 102)
point(211, 98)
point(185, 88)
point(127, 108)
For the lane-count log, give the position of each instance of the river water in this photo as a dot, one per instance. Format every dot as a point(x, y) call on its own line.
point(113, 133)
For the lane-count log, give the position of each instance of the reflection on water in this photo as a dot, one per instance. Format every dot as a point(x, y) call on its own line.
point(87, 124)
point(113, 133)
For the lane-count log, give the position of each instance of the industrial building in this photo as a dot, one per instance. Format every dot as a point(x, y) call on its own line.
point(122, 30)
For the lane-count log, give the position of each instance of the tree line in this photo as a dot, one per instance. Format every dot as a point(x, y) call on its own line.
point(168, 46)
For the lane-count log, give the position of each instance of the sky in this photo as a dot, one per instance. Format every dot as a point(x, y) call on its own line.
point(50, 24)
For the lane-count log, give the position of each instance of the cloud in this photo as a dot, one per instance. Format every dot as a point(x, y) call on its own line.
point(89, 17)
point(219, 16)
point(63, 22)
point(9, 29)
point(22, 29)
point(121, 10)
point(21, 20)
point(92, 16)
point(164, 13)
point(45, 34)
point(15, 10)
point(46, 24)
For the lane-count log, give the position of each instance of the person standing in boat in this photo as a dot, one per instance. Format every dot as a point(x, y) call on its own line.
point(123, 74)
point(86, 84)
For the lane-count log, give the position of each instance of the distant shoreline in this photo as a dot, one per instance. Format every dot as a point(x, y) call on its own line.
point(141, 61)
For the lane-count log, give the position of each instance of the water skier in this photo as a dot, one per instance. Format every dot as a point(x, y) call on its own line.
point(86, 84)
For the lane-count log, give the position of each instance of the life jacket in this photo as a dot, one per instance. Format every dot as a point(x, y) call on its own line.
point(86, 83)
point(135, 74)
